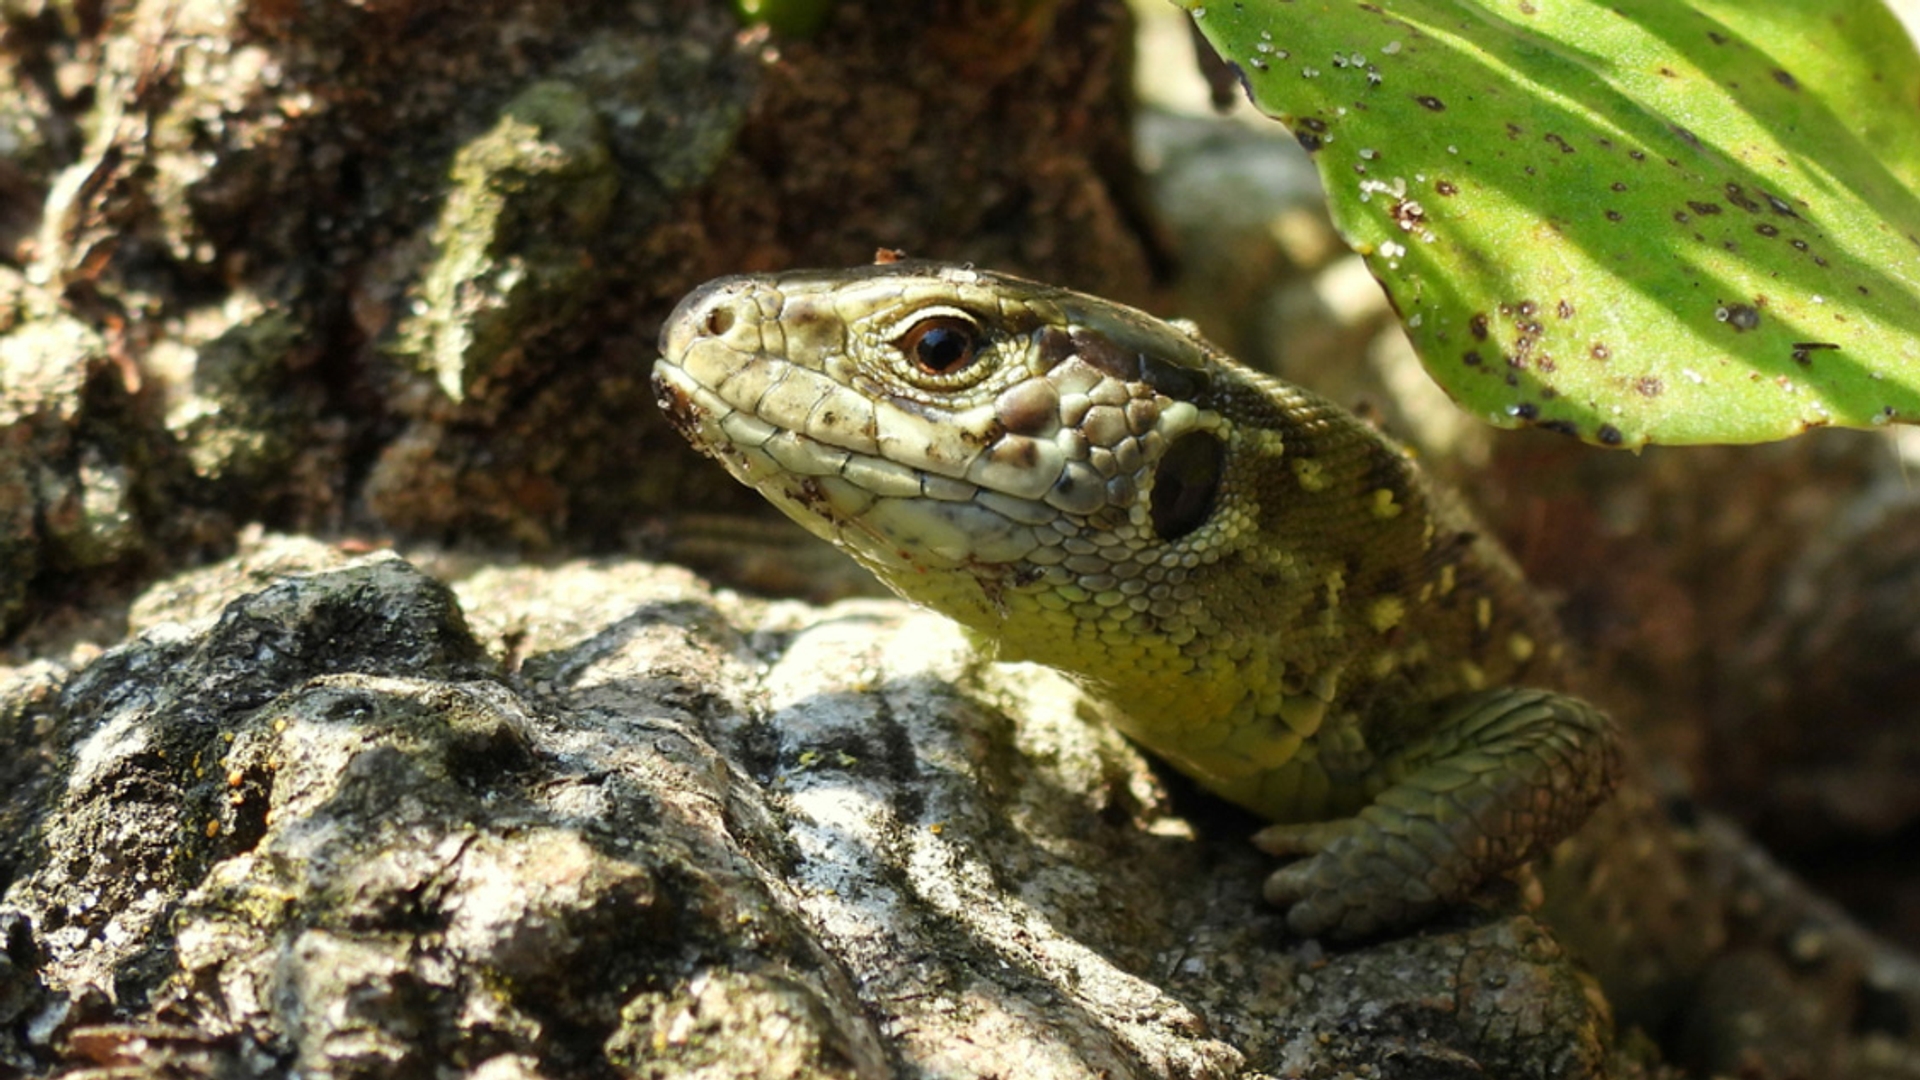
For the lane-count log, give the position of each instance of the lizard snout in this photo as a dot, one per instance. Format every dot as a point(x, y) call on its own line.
point(708, 311)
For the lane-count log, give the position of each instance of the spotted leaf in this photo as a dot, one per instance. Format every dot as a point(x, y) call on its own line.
point(1637, 221)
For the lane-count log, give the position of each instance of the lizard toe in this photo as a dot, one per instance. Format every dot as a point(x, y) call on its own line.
point(1304, 839)
point(1357, 887)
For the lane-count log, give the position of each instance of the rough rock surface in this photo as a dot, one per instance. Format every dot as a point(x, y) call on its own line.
point(624, 825)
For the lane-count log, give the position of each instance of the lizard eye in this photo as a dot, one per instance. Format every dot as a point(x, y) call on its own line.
point(1184, 484)
point(941, 345)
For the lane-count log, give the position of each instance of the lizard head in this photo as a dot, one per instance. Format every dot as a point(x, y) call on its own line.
point(932, 419)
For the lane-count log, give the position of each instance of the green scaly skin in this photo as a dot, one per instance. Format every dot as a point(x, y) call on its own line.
point(1258, 586)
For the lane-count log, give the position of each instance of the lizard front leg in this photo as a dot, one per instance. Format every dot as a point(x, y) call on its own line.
point(1501, 776)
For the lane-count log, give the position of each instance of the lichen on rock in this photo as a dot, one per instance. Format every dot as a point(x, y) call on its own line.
point(522, 203)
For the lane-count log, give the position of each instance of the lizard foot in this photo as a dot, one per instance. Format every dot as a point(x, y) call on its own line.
point(1504, 775)
point(1361, 875)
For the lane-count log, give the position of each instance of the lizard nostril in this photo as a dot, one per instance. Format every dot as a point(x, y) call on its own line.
point(711, 311)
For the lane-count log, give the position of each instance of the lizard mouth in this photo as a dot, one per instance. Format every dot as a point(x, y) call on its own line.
point(887, 513)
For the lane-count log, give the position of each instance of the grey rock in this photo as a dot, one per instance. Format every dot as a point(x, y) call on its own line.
point(623, 824)
point(67, 504)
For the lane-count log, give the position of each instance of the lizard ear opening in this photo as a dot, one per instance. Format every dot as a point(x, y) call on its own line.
point(1185, 483)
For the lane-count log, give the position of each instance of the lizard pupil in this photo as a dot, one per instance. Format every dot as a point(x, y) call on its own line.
point(1185, 483)
point(941, 345)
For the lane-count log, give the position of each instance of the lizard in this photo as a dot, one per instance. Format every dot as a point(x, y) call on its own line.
point(1268, 593)
point(1254, 584)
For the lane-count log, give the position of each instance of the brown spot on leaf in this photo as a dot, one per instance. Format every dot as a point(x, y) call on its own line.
point(1477, 326)
point(1648, 386)
point(1785, 78)
point(1738, 197)
point(1803, 351)
point(1565, 146)
point(1609, 435)
point(1613, 215)
point(1742, 317)
point(1564, 309)
point(1765, 229)
point(1429, 102)
point(1705, 209)
point(1309, 132)
point(1600, 352)
point(1445, 187)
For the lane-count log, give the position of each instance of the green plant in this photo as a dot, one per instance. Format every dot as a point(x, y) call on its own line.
point(1638, 221)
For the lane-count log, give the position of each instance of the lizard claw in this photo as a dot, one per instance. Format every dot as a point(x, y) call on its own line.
point(1355, 880)
point(1307, 839)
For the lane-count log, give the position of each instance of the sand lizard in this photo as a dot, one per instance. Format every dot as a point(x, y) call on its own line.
point(1255, 584)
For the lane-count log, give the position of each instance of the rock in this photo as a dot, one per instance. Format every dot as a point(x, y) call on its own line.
point(69, 474)
point(326, 827)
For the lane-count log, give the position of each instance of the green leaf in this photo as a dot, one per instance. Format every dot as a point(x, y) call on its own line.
point(1638, 221)
point(792, 18)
